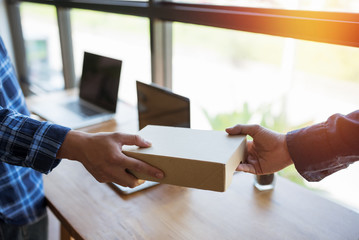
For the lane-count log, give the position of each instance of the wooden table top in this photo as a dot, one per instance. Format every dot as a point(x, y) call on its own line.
point(92, 210)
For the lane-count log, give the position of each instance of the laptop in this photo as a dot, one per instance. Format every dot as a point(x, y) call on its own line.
point(98, 94)
point(158, 106)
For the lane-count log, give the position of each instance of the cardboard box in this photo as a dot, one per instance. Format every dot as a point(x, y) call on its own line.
point(191, 158)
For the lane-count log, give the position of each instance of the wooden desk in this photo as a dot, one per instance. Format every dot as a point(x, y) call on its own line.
point(91, 210)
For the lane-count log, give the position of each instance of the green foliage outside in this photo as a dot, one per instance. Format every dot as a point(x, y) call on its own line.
point(36, 50)
point(224, 120)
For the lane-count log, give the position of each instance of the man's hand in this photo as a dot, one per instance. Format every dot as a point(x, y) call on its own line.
point(267, 153)
point(102, 156)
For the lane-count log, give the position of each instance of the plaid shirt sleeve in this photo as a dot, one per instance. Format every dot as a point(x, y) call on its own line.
point(29, 143)
point(26, 145)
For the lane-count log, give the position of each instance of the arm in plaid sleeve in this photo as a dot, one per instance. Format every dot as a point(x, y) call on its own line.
point(29, 143)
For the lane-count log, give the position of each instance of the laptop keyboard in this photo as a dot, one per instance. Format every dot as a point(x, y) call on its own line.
point(82, 109)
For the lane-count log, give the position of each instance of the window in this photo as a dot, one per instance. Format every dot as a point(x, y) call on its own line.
point(42, 47)
point(117, 36)
point(227, 70)
point(230, 68)
point(238, 77)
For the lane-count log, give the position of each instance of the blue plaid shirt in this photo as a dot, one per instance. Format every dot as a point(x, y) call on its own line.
point(27, 149)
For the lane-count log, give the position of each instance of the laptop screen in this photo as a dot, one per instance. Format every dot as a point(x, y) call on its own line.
point(100, 81)
point(159, 106)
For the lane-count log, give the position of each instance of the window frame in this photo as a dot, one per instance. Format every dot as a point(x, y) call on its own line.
point(340, 27)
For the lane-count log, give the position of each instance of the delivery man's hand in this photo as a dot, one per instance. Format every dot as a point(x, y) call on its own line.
point(102, 156)
point(267, 153)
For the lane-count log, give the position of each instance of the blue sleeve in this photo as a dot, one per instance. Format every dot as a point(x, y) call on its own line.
point(322, 149)
point(29, 143)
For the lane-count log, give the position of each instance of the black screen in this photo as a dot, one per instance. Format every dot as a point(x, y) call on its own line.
point(159, 106)
point(100, 81)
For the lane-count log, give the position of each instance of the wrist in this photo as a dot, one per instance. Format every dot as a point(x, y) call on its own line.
point(71, 148)
point(286, 150)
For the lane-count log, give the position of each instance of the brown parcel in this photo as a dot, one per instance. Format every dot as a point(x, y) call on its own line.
point(190, 158)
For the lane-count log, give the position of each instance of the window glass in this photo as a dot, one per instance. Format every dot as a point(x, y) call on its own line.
point(313, 5)
point(283, 84)
point(42, 44)
point(117, 36)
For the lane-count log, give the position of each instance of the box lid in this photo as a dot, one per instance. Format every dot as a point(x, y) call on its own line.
point(200, 145)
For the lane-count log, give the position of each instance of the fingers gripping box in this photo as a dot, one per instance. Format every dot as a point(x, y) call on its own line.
point(190, 158)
